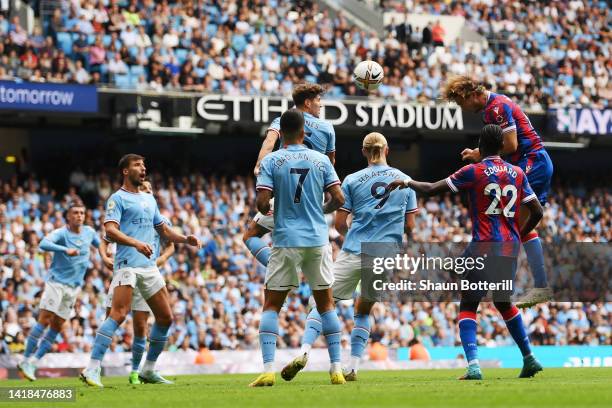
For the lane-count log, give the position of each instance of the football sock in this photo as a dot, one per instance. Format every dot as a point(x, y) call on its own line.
point(312, 330)
point(331, 331)
point(467, 333)
point(46, 343)
point(359, 339)
point(268, 330)
point(104, 337)
point(514, 323)
point(33, 338)
point(259, 249)
point(157, 342)
point(138, 348)
point(535, 258)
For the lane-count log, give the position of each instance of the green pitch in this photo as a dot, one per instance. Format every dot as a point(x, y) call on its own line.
point(576, 387)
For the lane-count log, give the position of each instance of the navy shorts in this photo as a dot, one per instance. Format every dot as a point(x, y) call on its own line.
point(539, 169)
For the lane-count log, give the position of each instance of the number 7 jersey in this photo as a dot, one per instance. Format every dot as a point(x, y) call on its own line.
point(377, 215)
point(495, 189)
point(298, 176)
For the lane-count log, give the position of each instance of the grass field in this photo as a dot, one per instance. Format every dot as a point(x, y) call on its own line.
point(576, 387)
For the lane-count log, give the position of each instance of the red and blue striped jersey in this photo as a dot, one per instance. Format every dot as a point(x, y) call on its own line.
point(495, 190)
point(500, 110)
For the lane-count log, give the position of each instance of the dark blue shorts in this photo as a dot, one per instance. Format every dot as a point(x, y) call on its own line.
point(539, 169)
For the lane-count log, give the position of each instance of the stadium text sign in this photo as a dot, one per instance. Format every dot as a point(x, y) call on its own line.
point(583, 121)
point(221, 108)
point(48, 97)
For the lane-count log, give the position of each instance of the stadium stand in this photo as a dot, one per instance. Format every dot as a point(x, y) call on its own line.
point(547, 56)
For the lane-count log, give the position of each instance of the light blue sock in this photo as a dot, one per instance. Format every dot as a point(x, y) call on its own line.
point(268, 331)
point(33, 339)
point(535, 258)
point(360, 335)
point(313, 327)
point(138, 348)
point(46, 343)
point(157, 341)
point(259, 249)
point(104, 337)
point(331, 331)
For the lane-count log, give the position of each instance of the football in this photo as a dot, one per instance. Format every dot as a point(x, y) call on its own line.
point(368, 75)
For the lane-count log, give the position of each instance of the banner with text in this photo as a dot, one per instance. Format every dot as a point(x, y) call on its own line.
point(581, 121)
point(48, 97)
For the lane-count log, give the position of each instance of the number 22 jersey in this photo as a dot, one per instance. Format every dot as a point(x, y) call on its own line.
point(495, 191)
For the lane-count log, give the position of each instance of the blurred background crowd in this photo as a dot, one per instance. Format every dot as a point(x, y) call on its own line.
point(217, 292)
point(544, 54)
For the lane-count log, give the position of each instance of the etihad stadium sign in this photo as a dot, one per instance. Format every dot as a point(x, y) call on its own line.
point(341, 113)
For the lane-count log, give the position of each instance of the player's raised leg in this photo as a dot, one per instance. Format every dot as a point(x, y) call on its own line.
point(258, 227)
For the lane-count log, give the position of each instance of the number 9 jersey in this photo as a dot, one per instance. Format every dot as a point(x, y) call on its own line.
point(377, 216)
point(495, 189)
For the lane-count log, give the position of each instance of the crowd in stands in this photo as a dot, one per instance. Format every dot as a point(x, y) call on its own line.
point(216, 292)
point(551, 55)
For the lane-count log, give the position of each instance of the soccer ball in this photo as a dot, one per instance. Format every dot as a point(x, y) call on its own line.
point(368, 75)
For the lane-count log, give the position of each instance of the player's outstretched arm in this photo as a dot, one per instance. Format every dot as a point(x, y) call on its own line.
point(170, 235)
point(422, 187)
point(166, 254)
point(534, 216)
point(266, 147)
point(49, 244)
point(335, 201)
point(114, 234)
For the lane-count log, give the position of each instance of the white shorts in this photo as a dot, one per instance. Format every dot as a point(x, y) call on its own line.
point(145, 281)
point(347, 274)
point(138, 302)
point(266, 221)
point(59, 298)
point(285, 264)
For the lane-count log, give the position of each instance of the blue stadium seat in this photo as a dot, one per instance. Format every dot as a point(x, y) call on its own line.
point(149, 51)
point(137, 70)
point(91, 39)
point(65, 42)
point(133, 51)
point(106, 40)
point(122, 80)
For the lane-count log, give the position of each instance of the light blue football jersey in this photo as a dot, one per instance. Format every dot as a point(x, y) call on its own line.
point(137, 215)
point(69, 270)
point(377, 217)
point(298, 176)
point(319, 135)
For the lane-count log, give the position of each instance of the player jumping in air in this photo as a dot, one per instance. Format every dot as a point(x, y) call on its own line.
point(524, 147)
point(377, 217)
point(140, 309)
point(131, 220)
point(496, 189)
point(319, 136)
point(297, 177)
point(71, 246)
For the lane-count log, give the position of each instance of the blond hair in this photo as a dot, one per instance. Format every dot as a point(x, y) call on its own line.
point(374, 145)
point(461, 87)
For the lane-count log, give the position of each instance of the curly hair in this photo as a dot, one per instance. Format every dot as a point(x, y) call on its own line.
point(305, 91)
point(461, 87)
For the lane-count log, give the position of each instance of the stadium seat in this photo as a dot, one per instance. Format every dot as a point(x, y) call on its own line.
point(106, 40)
point(122, 81)
point(181, 55)
point(65, 42)
point(137, 70)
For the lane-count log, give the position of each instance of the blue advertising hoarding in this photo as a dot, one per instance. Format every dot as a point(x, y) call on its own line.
point(548, 356)
point(48, 97)
point(581, 121)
